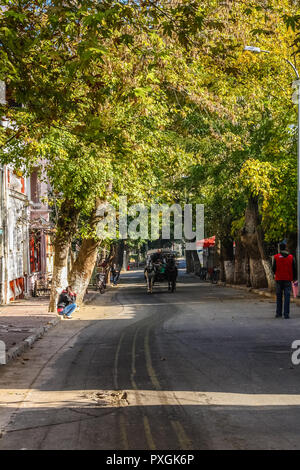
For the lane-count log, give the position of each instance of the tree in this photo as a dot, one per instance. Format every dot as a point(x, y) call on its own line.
point(244, 116)
point(88, 76)
point(139, 95)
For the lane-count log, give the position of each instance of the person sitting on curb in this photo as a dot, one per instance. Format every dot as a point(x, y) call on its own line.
point(66, 303)
point(284, 268)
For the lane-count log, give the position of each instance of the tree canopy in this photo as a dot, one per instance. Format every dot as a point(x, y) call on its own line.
point(158, 100)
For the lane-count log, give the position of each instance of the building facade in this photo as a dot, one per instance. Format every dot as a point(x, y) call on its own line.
point(25, 248)
point(40, 229)
point(2, 277)
point(15, 241)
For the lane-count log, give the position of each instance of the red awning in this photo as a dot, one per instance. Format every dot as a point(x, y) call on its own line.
point(207, 242)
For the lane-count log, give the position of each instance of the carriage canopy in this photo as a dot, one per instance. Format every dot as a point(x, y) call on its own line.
point(160, 253)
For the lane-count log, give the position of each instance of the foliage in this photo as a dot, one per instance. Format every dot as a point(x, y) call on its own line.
point(158, 99)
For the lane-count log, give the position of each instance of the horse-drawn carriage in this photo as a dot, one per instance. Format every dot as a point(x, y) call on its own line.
point(161, 267)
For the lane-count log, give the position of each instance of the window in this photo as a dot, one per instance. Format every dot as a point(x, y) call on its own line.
point(34, 188)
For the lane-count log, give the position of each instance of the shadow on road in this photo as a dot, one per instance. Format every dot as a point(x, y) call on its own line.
point(206, 367)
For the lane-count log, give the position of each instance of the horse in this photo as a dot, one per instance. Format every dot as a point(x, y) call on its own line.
point(150, 272)
point(171, 272)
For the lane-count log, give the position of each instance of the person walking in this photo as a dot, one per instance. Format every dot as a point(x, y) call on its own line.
point(115, 274)
point(66, 303)
point(284, 268)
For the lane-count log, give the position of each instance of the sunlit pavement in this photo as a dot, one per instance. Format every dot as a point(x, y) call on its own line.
point(204, 368)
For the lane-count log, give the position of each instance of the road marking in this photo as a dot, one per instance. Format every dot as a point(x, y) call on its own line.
point(133, 353)
point(149, 437)
point(184, 441)
point(150, 370)
point(147, 428)
point(124, 437)
point(166, 304)
point(117, 360)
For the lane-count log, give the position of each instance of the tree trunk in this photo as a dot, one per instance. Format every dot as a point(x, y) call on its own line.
point(227, 263)
point(196, 262)
point(251, 237)
point(292, 243)
point(83, 267)
point(119, 247)
point(265, 260)
point(248, 271)
point(240, 269)
point(126, 257)
point(71, 259)
point(85, 262)
point(222, 270)
point(66, 228)
point(189, 261)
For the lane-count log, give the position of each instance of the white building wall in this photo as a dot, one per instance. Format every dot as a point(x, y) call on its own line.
point(17, 237)
point(18, 215)
point(2, 233)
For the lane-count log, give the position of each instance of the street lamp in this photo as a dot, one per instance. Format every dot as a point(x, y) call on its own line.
point(296, 84)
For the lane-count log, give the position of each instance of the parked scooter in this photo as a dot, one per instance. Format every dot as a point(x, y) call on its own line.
point(101, 282)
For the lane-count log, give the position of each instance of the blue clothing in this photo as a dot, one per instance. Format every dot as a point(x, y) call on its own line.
point(69, 309)
point(283, 287)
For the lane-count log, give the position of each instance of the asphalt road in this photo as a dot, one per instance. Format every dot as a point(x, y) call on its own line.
point(204, 368)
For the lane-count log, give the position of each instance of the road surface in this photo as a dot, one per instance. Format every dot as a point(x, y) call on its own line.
point(207, 367)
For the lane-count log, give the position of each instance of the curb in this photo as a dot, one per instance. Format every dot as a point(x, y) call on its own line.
point(257, 291)
point(16, 351)
point(248, 289)
point(26, 344)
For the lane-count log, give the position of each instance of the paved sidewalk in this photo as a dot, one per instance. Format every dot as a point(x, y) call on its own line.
point(21, 318)
point(265, 292)
point(22, 322)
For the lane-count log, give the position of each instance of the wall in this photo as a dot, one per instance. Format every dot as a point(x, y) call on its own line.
point(16, 240)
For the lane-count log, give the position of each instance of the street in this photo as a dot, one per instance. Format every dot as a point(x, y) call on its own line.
point(207, 367)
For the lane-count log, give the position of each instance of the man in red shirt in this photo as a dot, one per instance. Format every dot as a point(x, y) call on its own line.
point(284, 268)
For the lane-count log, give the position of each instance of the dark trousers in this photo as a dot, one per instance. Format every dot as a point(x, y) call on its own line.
point(283, 288)
point(116, 276)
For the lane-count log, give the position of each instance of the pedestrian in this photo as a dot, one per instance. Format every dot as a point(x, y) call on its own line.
point(115, 274)
point(284, 268)
point(66, 303)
